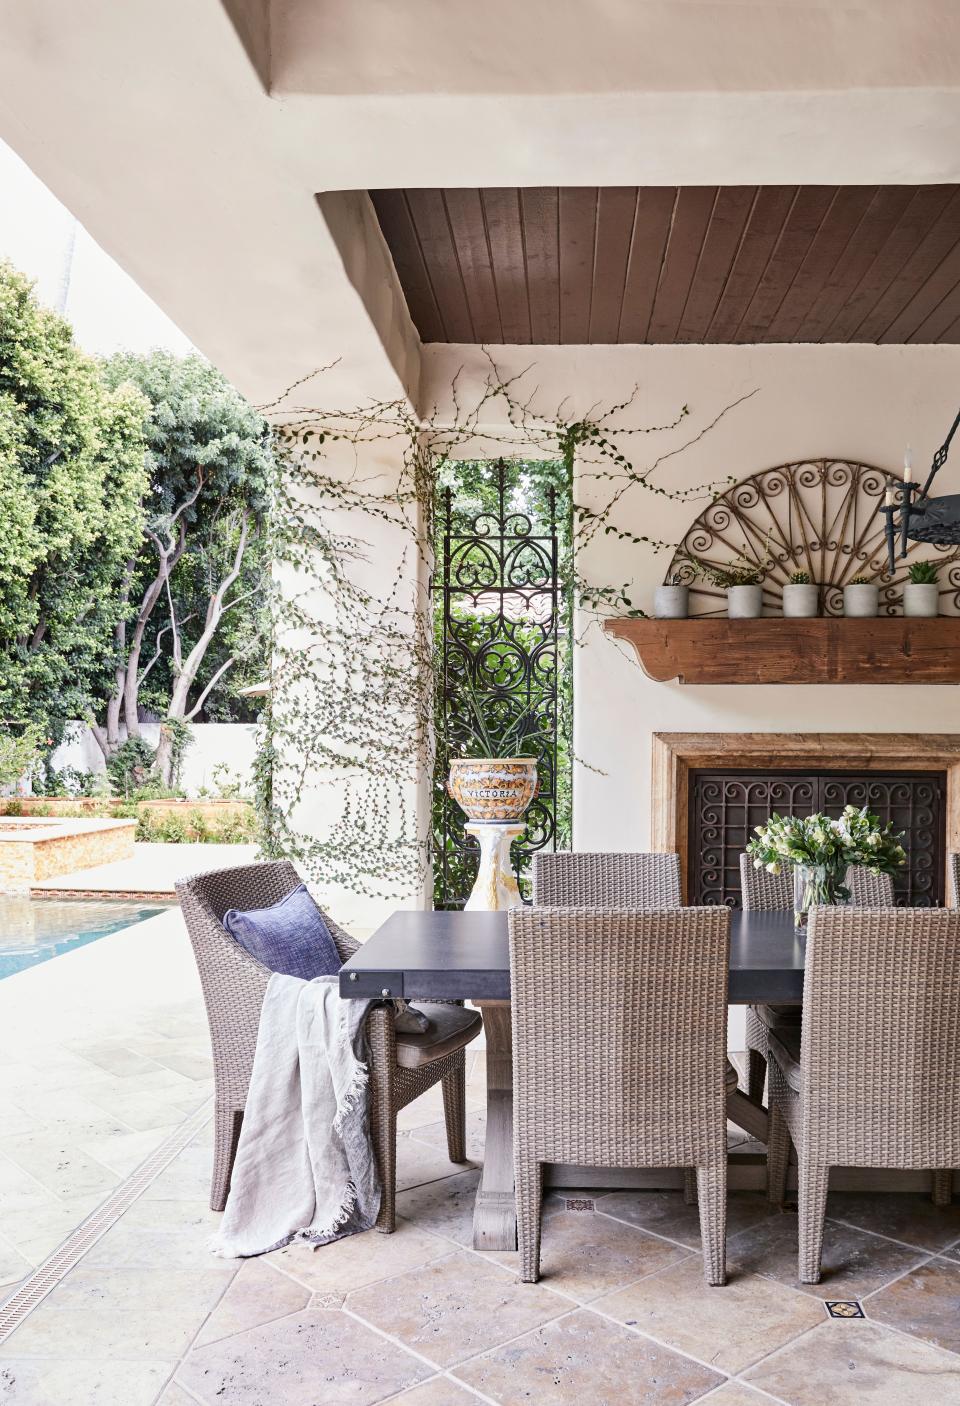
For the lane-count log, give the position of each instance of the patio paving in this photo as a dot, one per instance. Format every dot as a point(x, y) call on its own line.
point(104, 1053)
point(420, 1318)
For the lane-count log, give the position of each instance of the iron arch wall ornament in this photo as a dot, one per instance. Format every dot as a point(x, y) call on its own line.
point(815, 515)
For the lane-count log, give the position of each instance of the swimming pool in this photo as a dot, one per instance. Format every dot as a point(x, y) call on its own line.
point(32, 930)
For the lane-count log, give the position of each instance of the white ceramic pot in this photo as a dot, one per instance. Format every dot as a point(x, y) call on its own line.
point(744, 602)
point(861, 602)
point(671, 602)
point(921, 599)
point(800, 602)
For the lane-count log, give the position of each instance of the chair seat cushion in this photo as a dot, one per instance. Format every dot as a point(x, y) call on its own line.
point(289, 937)
point(785, 1048)
point(774, 1017)
point(451, 1027)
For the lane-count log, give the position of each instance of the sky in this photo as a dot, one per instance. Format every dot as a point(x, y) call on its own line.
point(108, 310)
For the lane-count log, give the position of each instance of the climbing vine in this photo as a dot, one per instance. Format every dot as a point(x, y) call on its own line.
point(342, 774)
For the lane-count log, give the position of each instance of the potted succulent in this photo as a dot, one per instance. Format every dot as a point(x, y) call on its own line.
point(861, 598)
point(499, 783)
point(671, 601)
point(801, 596)
point(821, 850)
point(921, 594)
point(743, 581)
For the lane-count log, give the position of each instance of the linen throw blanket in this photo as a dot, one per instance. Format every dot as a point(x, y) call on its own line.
point(305, 1167)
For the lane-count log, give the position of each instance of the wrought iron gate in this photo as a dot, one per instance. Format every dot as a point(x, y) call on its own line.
point(499, 627)
point(726, 805)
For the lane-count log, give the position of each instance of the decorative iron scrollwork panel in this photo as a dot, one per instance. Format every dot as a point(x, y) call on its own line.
point(499, 640)
point(817, 515)
point(726, 805)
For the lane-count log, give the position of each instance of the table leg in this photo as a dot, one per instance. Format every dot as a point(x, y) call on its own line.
point(751, 1117)
point(495, 1211)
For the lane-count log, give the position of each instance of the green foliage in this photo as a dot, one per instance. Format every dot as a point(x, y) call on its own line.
point(742, 571)
point(799, 578)
point(175, 827)
point(72, 481)
point(923, 573)
point(130, 766)
point(19, 752)
point(180, 737)
point(860, 581)
point(211, 471)
point(68, 781)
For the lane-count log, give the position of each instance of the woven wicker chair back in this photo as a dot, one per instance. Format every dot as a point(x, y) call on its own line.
point(619, 1035)
point(244, 887)
point(880, 1054)
point(233, 982)
point(606, 880)
point(769, 892)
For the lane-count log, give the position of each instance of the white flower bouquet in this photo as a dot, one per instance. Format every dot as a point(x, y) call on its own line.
point(821, 850)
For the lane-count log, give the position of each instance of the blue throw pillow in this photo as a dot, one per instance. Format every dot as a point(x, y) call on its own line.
point(291, 937)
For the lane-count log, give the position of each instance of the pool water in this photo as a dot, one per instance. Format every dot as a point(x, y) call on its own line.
point(32, 930)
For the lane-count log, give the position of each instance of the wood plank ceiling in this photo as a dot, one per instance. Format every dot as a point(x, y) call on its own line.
point(689, 264)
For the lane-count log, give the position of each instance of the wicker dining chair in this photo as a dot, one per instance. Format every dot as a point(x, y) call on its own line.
point(765, 892)
point(874, 1080)
point(619, 1046)
point(402, 1067)
point(606, 880)
point(613, 880)
point(954, 867)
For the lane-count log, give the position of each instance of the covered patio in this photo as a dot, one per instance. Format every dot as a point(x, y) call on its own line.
point(586, 336)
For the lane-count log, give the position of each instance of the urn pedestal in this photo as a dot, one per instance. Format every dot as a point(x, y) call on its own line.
point(496, 887)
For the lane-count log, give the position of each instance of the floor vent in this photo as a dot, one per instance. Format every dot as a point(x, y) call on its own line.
point(55, 1267)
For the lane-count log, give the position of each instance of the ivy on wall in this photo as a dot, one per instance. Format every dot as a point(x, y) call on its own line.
point(350, 719)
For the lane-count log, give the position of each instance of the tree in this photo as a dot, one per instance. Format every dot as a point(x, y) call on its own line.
point(210, 471)
point(72, 480)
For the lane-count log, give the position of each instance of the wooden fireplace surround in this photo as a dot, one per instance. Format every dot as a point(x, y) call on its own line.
point(676, 754)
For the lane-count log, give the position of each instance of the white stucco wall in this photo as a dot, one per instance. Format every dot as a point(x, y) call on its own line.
point(862, 403)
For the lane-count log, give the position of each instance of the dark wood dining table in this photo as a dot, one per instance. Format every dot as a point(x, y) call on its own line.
point(464, 956)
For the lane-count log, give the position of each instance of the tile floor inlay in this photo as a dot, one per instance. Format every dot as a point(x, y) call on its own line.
point(844, 1308)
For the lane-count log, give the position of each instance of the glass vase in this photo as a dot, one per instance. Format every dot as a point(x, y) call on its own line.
point(815, 885)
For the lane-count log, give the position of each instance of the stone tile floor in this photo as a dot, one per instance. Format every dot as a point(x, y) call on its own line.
point(621, 1314)
point(97, 1066)
point(103, 1051)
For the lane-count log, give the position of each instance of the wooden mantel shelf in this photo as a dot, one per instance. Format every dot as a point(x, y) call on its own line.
point(888, 649)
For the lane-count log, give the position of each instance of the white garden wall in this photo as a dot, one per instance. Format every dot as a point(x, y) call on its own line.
point(214, 744)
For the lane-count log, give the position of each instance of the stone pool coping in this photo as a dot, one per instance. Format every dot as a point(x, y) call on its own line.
point(35, 848)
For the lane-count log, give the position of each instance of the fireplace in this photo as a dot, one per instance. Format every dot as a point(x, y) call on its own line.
point(726, 805)
point(708, 790)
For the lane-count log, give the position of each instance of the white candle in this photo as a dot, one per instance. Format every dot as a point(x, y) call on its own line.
point(889, 498)
point(907, 464)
